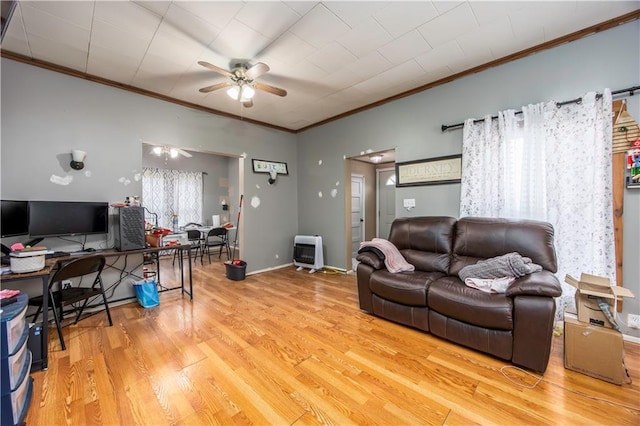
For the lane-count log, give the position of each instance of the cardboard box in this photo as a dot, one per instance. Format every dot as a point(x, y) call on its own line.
point(594, 351)
point(588, 289)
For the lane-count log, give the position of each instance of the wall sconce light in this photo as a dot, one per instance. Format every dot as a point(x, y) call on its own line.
point(77, 159)
point(273, 175)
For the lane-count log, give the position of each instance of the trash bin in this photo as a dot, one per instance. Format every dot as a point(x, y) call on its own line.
point(236, 269)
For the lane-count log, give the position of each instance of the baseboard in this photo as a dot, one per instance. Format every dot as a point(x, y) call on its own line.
point(632, 339)
point(273, 268)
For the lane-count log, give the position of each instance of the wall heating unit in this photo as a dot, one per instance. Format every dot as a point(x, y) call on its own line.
point(307, 252)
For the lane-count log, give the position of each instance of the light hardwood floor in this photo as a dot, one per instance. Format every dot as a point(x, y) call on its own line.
point(288, 347)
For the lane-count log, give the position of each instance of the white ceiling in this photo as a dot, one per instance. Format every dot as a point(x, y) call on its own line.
point(332, 57)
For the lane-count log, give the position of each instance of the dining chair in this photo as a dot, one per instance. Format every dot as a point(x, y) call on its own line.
point(216, 237)
point(60, 296)
point(194, 237)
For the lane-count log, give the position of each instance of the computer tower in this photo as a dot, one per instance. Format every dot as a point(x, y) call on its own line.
point(129, 228)
point(35, 345)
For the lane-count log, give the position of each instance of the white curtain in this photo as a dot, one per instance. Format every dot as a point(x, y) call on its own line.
point(549, 163)
point(168, 192)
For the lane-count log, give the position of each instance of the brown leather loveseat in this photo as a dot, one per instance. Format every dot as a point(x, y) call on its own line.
point(516, 326)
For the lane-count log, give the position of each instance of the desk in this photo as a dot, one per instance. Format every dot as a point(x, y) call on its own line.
point(153, 251)
point(50, 264)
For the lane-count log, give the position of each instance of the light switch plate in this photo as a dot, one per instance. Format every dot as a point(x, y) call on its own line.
point(409, 202)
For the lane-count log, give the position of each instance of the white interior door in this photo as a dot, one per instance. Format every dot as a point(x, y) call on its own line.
point(357, 213)
point(386, 201)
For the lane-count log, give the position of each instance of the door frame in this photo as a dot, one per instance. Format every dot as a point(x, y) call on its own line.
point(363, 212)
point(378, 186)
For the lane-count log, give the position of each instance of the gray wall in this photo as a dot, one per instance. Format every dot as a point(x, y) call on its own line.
point(610, 59)
point(46, 114)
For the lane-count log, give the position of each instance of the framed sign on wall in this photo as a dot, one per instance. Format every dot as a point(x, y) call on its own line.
point(432, 171)
point(264, 166)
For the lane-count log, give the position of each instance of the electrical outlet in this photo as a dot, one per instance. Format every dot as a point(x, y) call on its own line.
point(409, 203)
point(66, 284)
point(633, 321)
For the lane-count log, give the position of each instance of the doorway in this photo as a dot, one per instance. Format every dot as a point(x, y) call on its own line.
point(363, 223)
point(357, 213)
point(386, 201)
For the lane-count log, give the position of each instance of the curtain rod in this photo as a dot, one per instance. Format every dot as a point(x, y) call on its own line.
point(631, 91)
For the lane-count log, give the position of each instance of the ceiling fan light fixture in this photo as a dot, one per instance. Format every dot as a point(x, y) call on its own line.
point(157, 150)
point(241, 86)
point(247, 93)
point(234, 92)
point(241, 92)
point(173, 153)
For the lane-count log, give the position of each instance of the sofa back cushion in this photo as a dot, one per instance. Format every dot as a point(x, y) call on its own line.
point(425, 242)
point(480, 238)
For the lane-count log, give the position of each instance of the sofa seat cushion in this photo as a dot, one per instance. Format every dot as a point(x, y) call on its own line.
point(408, 288)
point(450, 297)
point(413, 316)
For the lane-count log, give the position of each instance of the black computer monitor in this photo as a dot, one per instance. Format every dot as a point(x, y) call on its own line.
point(14, 218)
point(60, 218)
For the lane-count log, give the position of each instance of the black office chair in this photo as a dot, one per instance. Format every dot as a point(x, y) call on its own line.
point(61, 297)
point(194, 237)
point(217, 237)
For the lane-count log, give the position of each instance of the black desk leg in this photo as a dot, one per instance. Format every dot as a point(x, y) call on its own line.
point(190, 275)
point(181, 264)
point(157, 255)
point(44, 336)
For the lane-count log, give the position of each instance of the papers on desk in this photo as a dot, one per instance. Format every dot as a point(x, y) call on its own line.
point(29, 253)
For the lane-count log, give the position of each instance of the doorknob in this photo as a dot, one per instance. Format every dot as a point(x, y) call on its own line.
point(361, 220)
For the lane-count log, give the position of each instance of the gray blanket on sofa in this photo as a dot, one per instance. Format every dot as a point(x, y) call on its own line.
point(507, 265)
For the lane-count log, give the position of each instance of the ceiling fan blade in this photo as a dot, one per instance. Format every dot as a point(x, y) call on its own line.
point(216, 69)
point(256, 71)
point(183, 152)
point(270, 89)
point(248, 104)
point(215, 87)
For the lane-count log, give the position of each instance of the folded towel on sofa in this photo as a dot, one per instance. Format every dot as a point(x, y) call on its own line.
point(507, 265)
point(393, 259)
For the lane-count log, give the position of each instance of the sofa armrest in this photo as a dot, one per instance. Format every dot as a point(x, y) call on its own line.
point(371, 259)
point(543, 283)
point(532, 331)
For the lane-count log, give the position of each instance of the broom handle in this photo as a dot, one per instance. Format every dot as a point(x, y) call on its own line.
point(235, 240)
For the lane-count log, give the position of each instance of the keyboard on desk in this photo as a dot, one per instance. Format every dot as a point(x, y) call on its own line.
point(56, 254)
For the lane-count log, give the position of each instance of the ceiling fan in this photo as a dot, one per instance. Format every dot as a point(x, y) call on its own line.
point(242, 85)
point(167, 150)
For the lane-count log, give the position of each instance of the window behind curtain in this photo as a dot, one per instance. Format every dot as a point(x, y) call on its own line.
point(168, 192)
point(553, 164)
